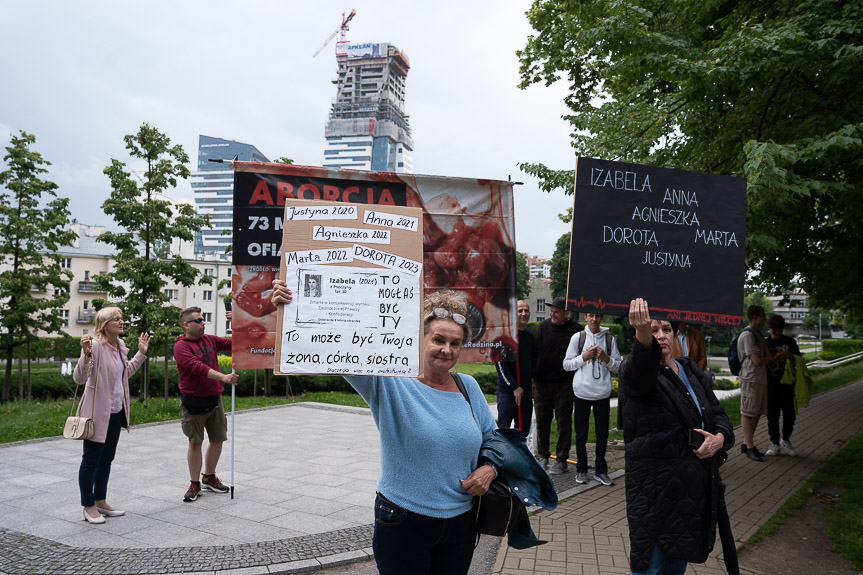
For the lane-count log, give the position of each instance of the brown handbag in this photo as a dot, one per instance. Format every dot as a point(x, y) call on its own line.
point(81, 427)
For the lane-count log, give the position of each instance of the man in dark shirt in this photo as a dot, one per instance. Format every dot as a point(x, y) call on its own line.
point(552, 385)
point(780, 397)
point(514, 389)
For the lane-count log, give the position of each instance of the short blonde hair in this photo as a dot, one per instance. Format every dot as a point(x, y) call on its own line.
point(103, 316)
point(449, 300)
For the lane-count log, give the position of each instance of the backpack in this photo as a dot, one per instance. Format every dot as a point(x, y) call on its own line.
point(735, 362)
point(582, 338)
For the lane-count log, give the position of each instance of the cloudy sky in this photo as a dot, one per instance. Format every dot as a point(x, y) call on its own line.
point(81, 75)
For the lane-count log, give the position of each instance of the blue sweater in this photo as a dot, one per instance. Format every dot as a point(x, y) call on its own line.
point(429, 441)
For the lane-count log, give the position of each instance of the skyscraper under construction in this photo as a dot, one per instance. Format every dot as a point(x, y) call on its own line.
point(368, 128)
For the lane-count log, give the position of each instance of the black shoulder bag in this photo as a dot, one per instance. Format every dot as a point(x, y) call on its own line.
point(497, 510)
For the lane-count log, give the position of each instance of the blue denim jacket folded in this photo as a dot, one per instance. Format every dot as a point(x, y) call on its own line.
point(507, 450)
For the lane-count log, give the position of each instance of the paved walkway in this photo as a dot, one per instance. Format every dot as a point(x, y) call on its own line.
point(305, 480)
point(588, 533)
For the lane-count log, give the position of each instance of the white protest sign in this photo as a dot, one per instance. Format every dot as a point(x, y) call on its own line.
point(351, 320)
point(356, 308)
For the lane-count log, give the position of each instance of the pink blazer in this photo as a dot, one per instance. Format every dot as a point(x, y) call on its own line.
point(85, 372)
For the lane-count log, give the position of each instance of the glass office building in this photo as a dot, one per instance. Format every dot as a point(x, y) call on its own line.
point(213, 187)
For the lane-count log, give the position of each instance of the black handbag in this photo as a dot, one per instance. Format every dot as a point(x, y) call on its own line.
point(495, 511)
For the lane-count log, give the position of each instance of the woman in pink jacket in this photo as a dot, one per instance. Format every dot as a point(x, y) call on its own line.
point(105, 369)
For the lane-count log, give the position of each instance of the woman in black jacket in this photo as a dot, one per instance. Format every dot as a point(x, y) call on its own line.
point(673, 426)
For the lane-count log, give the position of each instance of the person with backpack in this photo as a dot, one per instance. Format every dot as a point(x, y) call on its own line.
point(754, 361)
point(593, 355)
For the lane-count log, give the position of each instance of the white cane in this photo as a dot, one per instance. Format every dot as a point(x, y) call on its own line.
point(233, 411)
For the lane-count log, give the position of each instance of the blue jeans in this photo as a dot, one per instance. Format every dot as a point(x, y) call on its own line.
point(96, 463)
point(601, 416)
point(409, 543)
point(661, 564)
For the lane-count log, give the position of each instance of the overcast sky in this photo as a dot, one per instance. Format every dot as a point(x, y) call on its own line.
point(81, 75)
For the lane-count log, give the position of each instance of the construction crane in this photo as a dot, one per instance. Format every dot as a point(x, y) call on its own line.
point(344, 33)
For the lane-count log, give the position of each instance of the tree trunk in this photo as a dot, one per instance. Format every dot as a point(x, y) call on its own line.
point(268, 379)
point(166, 368)
point(7, 381)
point(255, 385)
point(21, 373)
point(29, 380)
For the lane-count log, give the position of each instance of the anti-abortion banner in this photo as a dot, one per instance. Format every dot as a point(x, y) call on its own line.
point(468, 246)
point(356, 277)
point(674, 238)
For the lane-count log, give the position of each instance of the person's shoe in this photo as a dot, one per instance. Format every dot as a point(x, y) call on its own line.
point(93, 520)
point(212, 483)
point(192, 493)
point(773, 451)
point(581, 477)
point(557, 467)
point(789, 449)
point(544, 462)
point(111, 512)
point(754, 454)
point(743, 448)
point(604, 478)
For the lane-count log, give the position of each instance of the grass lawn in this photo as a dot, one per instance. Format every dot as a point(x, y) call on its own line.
point(20, 420)
point(844, 519)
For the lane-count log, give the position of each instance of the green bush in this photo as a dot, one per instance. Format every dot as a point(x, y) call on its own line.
point(828, 355)
point(841, 347)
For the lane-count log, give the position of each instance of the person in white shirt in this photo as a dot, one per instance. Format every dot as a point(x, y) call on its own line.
point(592, 355)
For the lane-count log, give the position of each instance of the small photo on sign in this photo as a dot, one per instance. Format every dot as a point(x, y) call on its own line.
point(313, 285)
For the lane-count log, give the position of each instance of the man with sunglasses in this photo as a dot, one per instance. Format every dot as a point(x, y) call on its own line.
point(201, 386)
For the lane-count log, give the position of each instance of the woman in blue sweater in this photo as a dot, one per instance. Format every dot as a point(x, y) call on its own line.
point(430, 440)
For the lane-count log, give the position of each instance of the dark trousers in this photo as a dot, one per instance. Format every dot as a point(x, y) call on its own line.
point(507, 411)
point(780, 398)
point(96, 463)
point(601, 414)
point(553, 398)
point(412, 544)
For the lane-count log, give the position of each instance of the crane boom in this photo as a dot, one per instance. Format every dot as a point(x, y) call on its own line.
point(343, 29)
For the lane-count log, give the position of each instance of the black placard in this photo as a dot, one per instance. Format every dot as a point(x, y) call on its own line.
point(259, 207)
point(674, 238)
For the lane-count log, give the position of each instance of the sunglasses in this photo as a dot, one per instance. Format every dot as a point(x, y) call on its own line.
point(443, 313)
point(196, 320)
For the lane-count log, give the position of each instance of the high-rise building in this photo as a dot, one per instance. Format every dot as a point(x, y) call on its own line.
point(213, 186)
point(368, 128)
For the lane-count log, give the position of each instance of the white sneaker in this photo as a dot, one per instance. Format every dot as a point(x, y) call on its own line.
point(789, 449)
point(773, 451)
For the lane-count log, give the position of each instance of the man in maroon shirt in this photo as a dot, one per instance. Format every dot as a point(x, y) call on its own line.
point(201, 386)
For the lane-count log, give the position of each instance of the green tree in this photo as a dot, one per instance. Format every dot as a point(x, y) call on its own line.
point(769, 90)
point(757, 298)
point(559, 264)
point(148, 226)
point(283, 160)
point(33, 228)
point(522, 276)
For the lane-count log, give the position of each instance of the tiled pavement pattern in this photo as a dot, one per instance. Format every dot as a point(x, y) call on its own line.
point(305, 479)
point(305, 483)
point(588, 533)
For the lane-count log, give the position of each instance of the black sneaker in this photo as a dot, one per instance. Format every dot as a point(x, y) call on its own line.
point(754, 454)
point(193, 492)
point(212, 483)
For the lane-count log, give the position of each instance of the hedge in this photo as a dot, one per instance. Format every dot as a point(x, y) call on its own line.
point(836, 348)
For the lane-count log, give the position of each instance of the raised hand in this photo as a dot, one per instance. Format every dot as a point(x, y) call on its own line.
point(144, 343)
point(639, 318)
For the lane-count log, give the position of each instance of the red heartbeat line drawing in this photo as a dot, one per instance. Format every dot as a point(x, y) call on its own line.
point(599, 303)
